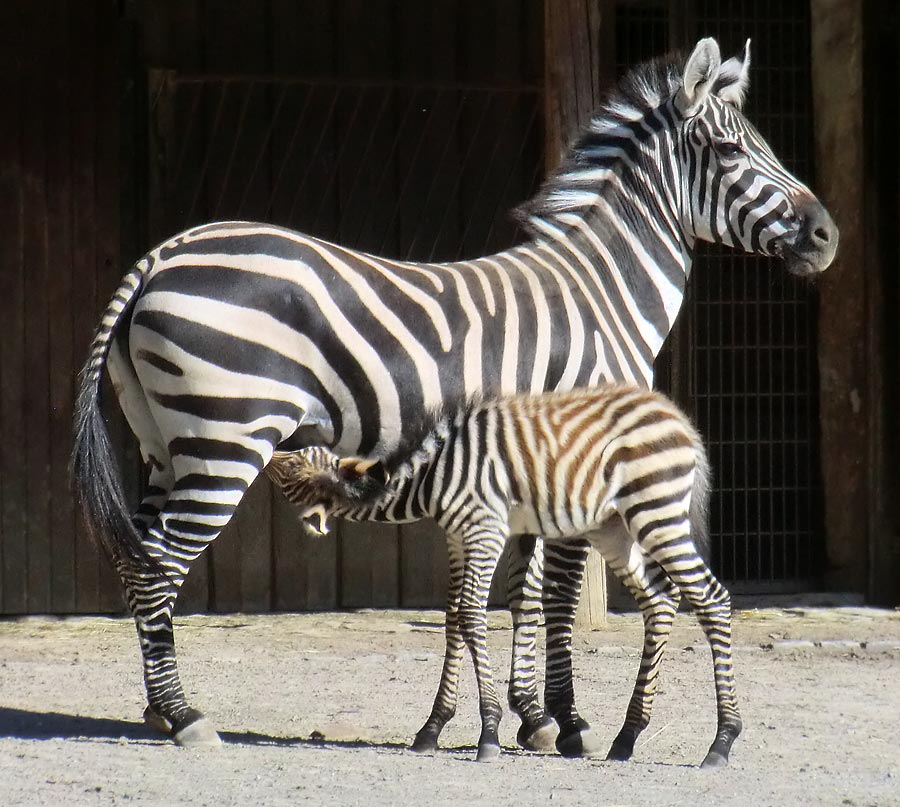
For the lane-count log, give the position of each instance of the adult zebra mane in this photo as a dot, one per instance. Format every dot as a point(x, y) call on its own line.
point(624, 116)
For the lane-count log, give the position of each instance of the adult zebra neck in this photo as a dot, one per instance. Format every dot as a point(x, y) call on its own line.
point(623, 231)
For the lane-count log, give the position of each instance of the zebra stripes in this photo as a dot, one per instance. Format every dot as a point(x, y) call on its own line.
point(619, 464)
point(235, 338)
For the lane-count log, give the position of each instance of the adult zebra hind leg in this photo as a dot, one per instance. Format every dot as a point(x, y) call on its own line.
point(564, 563)
point(196, 510)
point(524, 586)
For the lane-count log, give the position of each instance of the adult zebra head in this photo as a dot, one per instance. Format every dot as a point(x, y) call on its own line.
point(673, 141)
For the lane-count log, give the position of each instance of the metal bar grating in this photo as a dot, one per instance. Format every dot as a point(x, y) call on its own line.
point(743, 358)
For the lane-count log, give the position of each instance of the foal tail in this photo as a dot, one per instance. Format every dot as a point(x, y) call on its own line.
point(95, 472)
point(699, 511)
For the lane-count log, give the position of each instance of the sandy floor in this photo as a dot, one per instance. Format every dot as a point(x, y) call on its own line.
point(819, 692)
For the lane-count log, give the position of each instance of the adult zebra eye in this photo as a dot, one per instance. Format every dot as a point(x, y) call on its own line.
point(729, 149)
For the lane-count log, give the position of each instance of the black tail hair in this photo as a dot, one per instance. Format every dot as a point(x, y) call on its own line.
point(95, 472)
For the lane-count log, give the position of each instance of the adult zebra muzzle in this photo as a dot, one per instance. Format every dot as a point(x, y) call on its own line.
point(811, 248)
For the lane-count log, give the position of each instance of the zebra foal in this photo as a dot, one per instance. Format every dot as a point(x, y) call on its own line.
point(619, 465)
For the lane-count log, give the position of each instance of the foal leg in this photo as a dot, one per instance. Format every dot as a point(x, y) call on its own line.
point(483, 545)
point(526, 559)
point(658, 601)
point(712, 605)
point(444, 708)
point(670, 545)
point(563, 575)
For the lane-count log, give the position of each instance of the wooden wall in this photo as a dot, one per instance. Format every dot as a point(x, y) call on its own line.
point(81, 198)
point(261, 144)
point(59, 258)
point(75, 152)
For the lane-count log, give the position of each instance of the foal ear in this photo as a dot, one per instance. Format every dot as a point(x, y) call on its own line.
point(355, 468)
point(734, 79)
point(700, 73)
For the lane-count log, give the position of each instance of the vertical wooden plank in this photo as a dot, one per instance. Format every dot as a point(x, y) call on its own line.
point(104, 153)
point(36, 398)
point(369, 553)
point(491, 124)
point(844, 348)
point(61, 364)
point(305, 568)
point(236, 43)
point(13, 171)
point(87, 298)
point(426, 48)
point(571, 36)
point(423, 565)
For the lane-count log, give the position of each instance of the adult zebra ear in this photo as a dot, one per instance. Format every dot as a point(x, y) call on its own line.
point(700, 73)
point(734, 78)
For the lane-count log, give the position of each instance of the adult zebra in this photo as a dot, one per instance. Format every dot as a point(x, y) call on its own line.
point(232, 338)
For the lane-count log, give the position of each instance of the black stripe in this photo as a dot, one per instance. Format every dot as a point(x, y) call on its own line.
point(205, 448)
point(209, 483)
point(231, 410)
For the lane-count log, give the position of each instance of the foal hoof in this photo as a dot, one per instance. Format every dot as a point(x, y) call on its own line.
point(714, 760)
point(620, 752)
point(157, 722)
point(579, 743)
point(540, 738)
point(487, 752)
point(197, 734)
point(424, 744)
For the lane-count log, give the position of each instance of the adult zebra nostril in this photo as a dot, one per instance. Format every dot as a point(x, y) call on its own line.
point(822, 235)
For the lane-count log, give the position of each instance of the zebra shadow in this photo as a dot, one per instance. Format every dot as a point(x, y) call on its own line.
point(23, 724)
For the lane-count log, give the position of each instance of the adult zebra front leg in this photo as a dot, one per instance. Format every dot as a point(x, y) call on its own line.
point(524, 590)
point(563, 575)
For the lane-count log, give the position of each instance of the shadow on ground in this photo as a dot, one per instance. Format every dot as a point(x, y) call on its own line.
point(25, 725)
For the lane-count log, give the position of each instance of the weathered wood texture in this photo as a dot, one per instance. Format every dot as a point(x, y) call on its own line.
point(59, 260)
point(846, 361)
point(572, 81)
point(881, 69)
point(396, 127)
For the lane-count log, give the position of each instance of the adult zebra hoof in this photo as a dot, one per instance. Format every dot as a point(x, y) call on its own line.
point(540, 738)
point(195, 731)
point(487, 752)
point(714, 760)
point(579, 743)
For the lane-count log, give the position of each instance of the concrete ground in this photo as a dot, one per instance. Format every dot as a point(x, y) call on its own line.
point(319, 708)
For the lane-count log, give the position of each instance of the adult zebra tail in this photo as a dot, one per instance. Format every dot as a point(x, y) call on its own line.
point(95, 471)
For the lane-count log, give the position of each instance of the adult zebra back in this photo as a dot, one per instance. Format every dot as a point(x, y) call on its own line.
point(619, 464)
point(232, 338)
